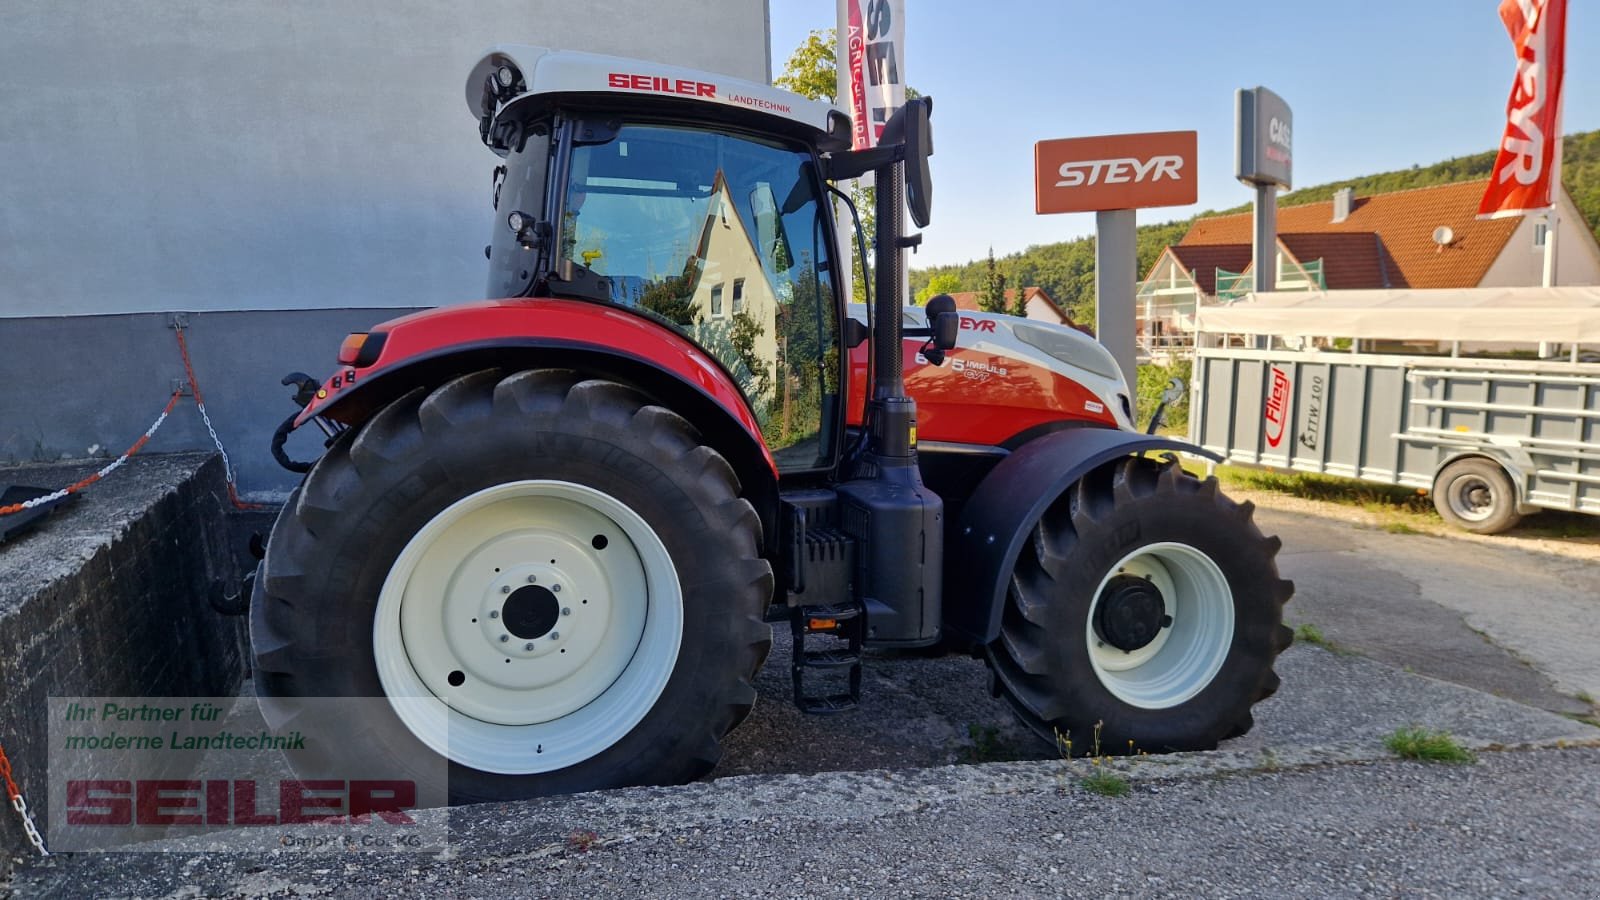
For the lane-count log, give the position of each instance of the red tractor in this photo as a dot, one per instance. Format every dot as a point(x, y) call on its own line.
point(553, 529)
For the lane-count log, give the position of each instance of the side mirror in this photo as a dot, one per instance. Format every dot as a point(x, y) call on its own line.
point(945, 328)
point(910, 126)
point(943, 321)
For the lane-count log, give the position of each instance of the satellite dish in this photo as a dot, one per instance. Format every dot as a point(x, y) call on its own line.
point(1443, 235)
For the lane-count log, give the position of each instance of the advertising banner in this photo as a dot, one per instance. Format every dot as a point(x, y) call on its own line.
point(1530, 152)
point(871, 57)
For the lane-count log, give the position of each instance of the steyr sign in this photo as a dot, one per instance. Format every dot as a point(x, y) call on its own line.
point(1115, 171)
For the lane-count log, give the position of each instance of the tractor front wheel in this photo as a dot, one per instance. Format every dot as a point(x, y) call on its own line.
point(1144, 615)
point(554, 583)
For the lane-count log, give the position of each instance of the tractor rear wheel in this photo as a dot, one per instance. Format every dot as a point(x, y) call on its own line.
point(554, 583)
point(1144, 615)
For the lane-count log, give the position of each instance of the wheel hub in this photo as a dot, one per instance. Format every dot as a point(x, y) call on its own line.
point(1131, 613)
point(531, 612)
point(1160, 625)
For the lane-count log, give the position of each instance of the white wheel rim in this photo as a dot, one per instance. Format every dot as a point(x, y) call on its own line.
point(1184, 656)
point(463, 638)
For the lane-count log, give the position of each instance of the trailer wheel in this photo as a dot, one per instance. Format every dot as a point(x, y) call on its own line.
point(554, 583)
point(1144, 615)
point(1476, 494)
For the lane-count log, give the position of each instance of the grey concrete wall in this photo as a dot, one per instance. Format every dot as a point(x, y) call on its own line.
point(84, 386)
point(220, 154)
point(107, 597)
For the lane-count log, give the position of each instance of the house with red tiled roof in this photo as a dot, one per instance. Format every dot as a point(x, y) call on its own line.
point(1388, 240)
point(1041, 306)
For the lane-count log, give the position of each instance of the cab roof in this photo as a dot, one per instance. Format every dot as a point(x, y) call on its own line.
point(534, 71)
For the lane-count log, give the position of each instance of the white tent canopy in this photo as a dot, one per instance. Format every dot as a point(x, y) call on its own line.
point(1519, 314)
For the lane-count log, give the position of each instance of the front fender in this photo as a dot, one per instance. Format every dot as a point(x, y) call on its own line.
point(1010, 501)
point(430, 347)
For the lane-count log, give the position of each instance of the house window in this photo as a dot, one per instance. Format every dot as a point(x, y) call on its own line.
point(716, 302)
point(1541, 232)
point(738, 296)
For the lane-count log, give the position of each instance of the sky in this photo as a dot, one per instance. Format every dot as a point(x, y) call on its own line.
point(1375, 85)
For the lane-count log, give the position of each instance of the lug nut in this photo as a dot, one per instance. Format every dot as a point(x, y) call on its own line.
point(528, 646)
point(555, 635)
point(566, 610)
point(504, 638)
point(494, 613)
point(533, 579)
point(556, 588)
point(505, 588)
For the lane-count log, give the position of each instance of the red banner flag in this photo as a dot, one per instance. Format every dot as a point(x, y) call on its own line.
point(871, 54)
point(1529, 162)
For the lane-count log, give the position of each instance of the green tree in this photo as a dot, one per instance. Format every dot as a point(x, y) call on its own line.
point(942, 283)
point(812, 69)
point(1019, 302)
point(670, 298)
point(993, 296)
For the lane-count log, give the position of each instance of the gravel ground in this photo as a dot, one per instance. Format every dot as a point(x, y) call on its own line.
point(1523, 822)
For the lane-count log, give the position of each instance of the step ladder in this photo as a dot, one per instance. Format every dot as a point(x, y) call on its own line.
point(842, 621)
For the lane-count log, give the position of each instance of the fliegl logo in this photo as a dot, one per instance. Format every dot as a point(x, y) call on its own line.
point(1277, 411)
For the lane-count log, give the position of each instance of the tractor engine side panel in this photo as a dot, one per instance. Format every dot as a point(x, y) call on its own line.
point(993, 389)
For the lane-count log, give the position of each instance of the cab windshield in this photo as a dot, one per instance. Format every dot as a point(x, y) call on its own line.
point(722, 237)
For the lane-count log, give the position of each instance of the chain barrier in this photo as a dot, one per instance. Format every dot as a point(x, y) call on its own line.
point(199, 402)
point(107, 470)
point(21, 805)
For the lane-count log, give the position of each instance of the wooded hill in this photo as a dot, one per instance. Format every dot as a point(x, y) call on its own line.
point(1066, 270)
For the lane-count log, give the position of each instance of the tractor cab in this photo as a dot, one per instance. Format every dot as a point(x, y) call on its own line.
point(697, 203)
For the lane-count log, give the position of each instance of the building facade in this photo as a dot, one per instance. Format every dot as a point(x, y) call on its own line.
point(280, 173)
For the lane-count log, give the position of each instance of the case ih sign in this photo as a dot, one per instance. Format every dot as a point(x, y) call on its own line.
point(1115, 171)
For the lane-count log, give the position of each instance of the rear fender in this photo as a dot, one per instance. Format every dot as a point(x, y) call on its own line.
point(1010, 501)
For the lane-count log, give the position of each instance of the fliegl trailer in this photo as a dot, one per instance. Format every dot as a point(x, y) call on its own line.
point(1489, 398)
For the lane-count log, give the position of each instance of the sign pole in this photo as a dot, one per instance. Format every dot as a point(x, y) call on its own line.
point(1115, 271)
point(1265, 243)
